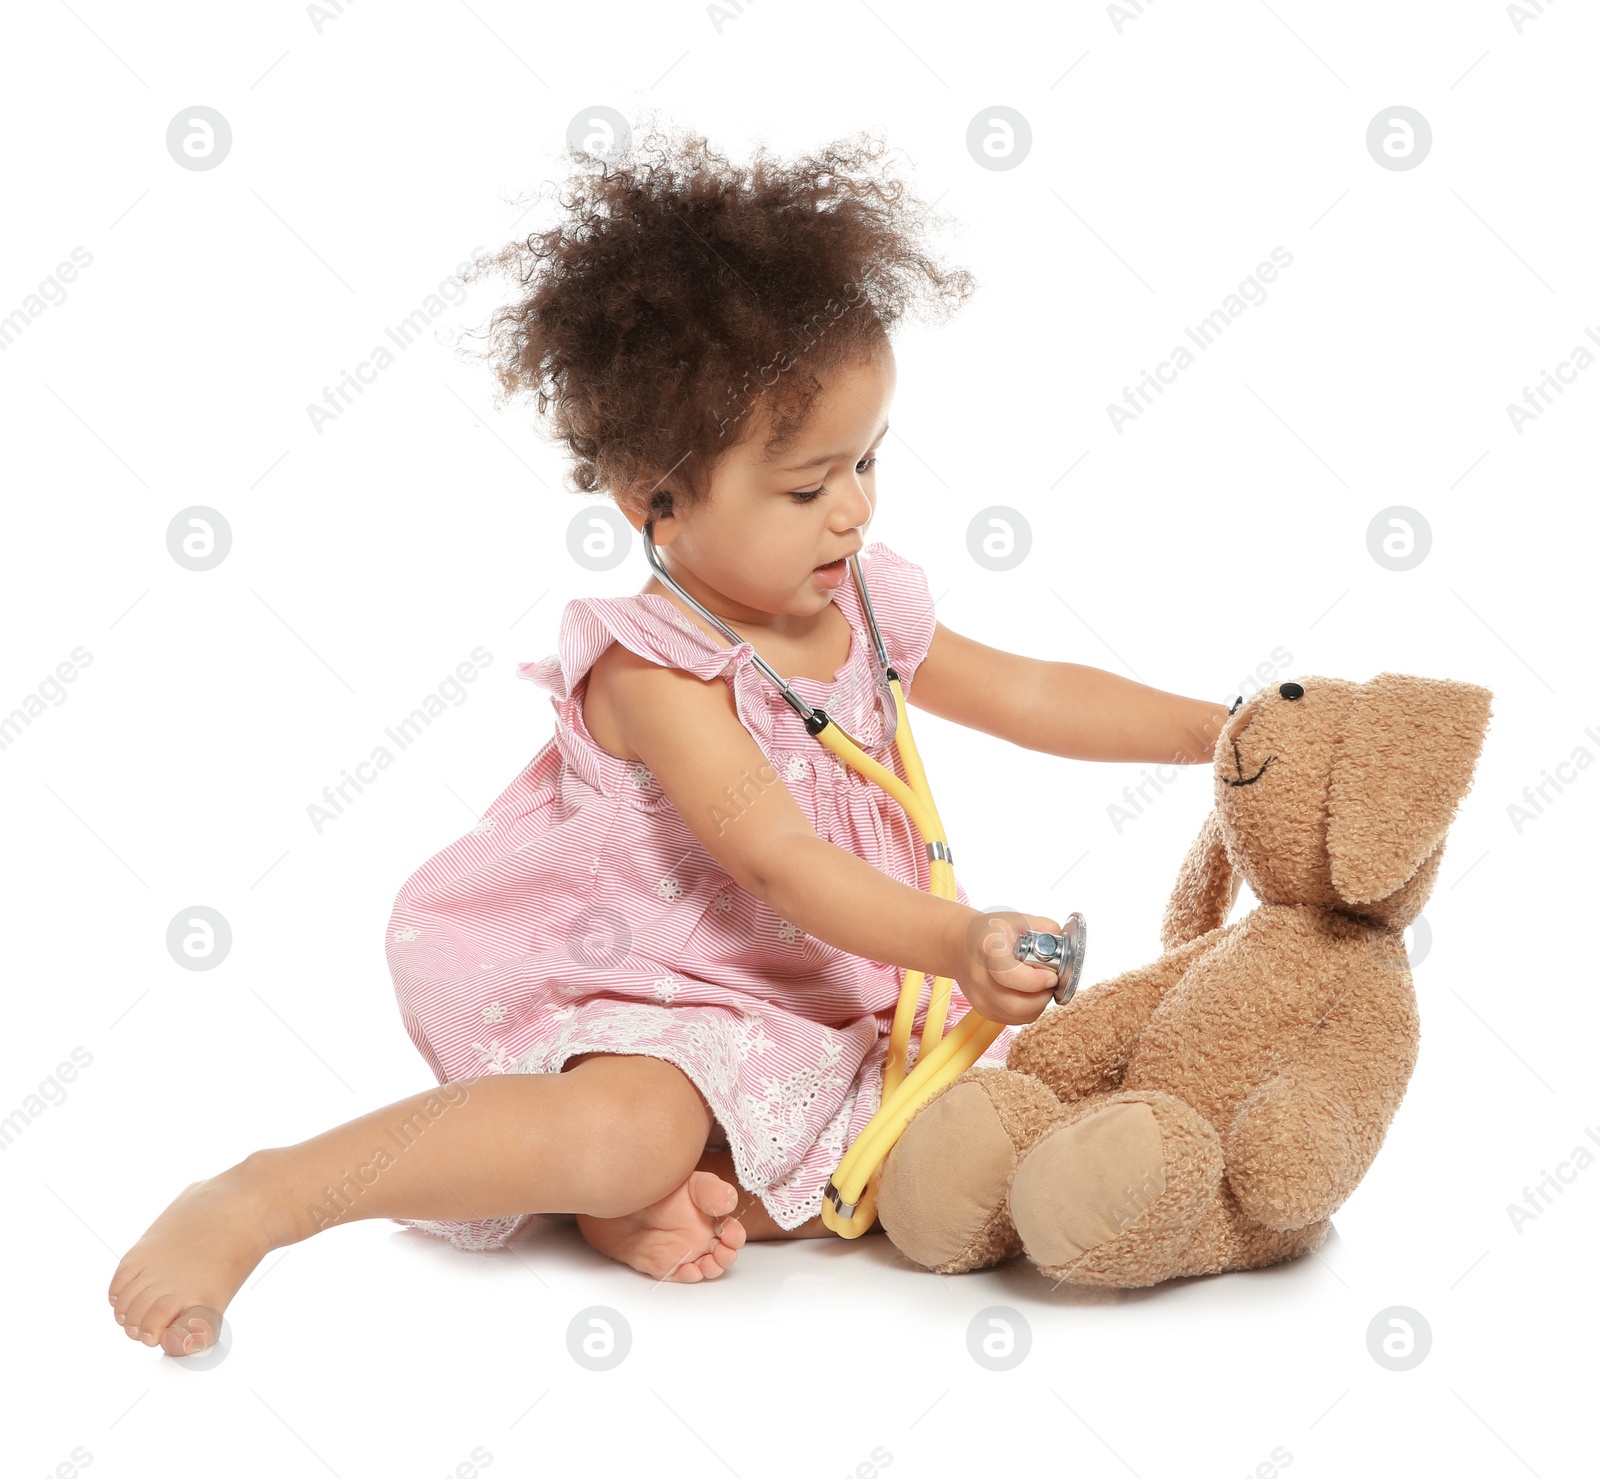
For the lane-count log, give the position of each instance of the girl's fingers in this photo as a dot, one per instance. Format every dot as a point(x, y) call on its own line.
point(1025, 978)
point(1023, 995)
point(1020, 990)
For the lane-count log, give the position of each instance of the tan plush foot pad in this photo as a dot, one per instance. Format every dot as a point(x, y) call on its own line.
point(1126, 1192)
point(942, 1195)
point(1083, 1184)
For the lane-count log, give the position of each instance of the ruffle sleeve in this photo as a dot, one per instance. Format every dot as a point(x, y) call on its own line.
point(663, 635)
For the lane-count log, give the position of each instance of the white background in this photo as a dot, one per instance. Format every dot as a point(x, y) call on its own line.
point(371, 153)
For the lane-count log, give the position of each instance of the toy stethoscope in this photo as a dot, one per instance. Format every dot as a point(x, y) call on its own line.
point(849, 1205)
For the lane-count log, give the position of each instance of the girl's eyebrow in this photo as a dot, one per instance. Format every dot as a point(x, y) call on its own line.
point(834, 456)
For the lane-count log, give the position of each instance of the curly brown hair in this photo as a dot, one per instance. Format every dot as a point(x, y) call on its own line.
point(679, 290)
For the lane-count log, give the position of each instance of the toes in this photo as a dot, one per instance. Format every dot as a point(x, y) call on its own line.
point(176, 1341)
point(131, 1310)
point(711, 1194)
point(193, 1331)
point(153, 1324)
point(714, 1264)
point(123, 1282)
point(723, 1252)
point(732, 1234)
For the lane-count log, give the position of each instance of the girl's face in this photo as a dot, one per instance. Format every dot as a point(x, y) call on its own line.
point(750, 551)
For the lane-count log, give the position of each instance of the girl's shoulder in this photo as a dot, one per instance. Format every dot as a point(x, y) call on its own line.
point(600, 716)
point(602, 708)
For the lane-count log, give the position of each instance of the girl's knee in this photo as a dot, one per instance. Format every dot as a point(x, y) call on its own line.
point(642, 1126)
point(633, 1078)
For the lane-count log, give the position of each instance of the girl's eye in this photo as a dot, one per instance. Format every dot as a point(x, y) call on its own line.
point(810, 495)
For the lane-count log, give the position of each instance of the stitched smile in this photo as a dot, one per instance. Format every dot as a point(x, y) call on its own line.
point(1238, 765)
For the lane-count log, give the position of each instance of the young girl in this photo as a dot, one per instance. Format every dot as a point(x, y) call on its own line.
point(656, 981)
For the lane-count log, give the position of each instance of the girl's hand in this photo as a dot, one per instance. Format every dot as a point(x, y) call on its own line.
point(999, 986)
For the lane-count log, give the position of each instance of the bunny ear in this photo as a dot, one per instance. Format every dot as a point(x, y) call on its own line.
point(1204, 892)
point(1403, 764)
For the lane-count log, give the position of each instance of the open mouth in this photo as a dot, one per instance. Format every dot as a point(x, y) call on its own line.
point(1238, 766)
point(831, 576)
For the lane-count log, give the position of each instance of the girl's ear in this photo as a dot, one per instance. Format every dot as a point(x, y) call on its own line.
point(1205, 890)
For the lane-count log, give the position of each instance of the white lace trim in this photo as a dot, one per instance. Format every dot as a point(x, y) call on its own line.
point(479, 1236)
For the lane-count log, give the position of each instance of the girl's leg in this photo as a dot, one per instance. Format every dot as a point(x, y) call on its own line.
point(618, 1134)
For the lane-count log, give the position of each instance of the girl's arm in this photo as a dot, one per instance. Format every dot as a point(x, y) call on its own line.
point(689, 736)
point(1062, 708)
point(840, 898)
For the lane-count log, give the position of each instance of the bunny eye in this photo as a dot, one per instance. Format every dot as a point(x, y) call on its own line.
point(1236, 703)
point(1291, 690)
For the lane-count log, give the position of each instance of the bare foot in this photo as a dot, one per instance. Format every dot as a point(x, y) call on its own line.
point(171, 1287)
point(688, 1236)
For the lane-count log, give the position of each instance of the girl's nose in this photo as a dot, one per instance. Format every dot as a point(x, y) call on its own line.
point(857, 508)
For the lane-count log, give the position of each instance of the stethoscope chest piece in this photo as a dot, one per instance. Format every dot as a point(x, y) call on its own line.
point(1062, 953)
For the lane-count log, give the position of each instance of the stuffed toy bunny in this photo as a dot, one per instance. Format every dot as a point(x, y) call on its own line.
point(1210, 1111)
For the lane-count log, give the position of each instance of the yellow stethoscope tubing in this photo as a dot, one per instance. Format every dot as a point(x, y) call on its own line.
point(941, 879)
point(940, 1059)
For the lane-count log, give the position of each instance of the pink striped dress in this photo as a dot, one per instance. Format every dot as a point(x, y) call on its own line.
point(582, 915)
